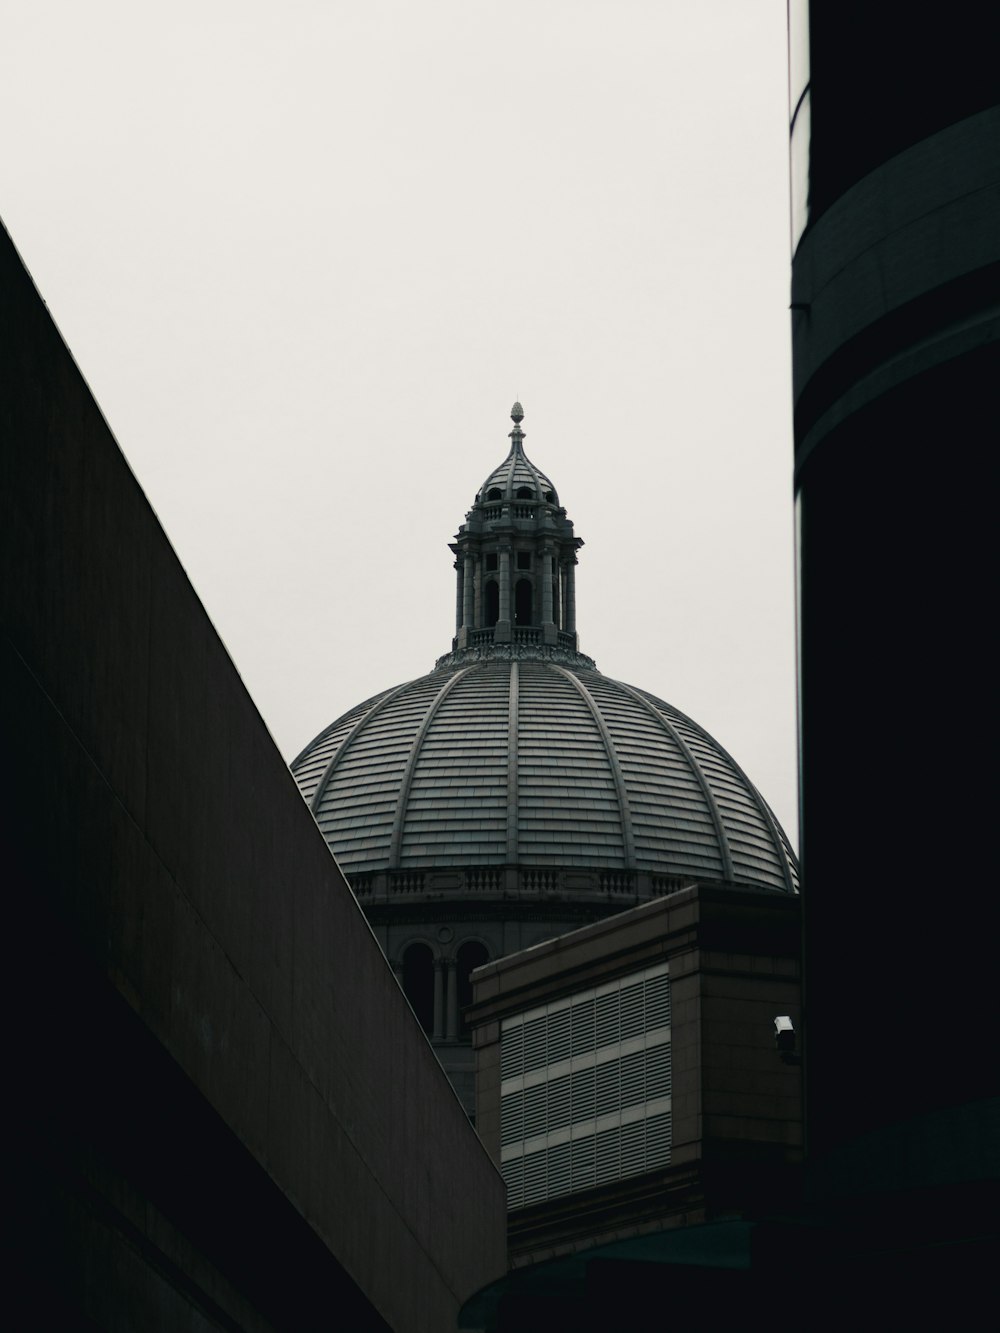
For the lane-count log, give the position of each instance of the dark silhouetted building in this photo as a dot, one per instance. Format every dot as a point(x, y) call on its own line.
point(896, 359)
point(220, 1111)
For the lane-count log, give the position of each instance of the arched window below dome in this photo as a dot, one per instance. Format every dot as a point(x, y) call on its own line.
point(471, 955)
point(524, 493)
point(522, 602)
point(494, 493)
point(492, 602)
point(418, 983)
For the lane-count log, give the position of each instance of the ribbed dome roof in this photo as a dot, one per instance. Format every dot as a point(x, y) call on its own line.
point(536, 764)
point(515, 766)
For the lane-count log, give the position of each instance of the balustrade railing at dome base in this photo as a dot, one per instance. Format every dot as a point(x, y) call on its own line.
point(521, 634)
point(497, 511)
point(566, 884)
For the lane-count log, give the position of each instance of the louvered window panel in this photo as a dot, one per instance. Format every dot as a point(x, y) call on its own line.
point(584, 1167)
point(558, 1103)
point(633, 1148)
point(534, 1111)
point(558, 1037)
point(512, 1052)
point(657, 1003)
point(535, 1177)
point(582, 1018)
point(658, 1079)
point(512, 1118)
point(608, 1093)
point(631, 1010)
point(559, 1176)
point(633, 1078)
point(585, 1089)
point(534, 1044)
point(607, 1019)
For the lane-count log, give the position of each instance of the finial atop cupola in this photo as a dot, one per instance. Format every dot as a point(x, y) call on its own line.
point(517, 434)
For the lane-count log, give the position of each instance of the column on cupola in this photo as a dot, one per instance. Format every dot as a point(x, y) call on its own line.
point(546, 586)
point(502, 634)
point(468, 590)
point(571, 596)
point(477, 596)
point(557, 595)
point(549, 633)
point(459, 593)
point(439, 967)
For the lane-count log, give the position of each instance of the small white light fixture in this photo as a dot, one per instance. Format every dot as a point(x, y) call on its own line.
point(784, 1039)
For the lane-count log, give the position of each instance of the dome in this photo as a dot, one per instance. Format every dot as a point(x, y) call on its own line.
point(537, 765)
point(514, 792)
point(515, 765)
point(517, 478)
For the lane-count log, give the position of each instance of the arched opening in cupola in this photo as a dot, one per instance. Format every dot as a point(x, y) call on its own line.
point(494, 493)
point(524, 493)
point(522, 602)
point(492, 602)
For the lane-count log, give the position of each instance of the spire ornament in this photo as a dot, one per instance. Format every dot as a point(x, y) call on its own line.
point(517, 416)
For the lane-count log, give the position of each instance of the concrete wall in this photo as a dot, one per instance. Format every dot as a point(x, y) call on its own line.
point(226, 1115)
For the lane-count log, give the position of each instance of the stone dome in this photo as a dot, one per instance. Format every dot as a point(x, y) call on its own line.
point(514, 792)
point(515, 766)
point(525, 763)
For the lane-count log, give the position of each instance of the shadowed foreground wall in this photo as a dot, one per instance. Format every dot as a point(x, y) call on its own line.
point(225, 1113)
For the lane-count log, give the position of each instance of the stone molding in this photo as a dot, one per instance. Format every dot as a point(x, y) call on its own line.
point(515, 652)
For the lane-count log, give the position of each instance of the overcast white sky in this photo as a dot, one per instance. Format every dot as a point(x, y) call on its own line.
point(306, 255)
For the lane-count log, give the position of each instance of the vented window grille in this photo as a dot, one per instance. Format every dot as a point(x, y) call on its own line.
point(586, 1087)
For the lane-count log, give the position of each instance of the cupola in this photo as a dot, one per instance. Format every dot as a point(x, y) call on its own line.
point(515, 560)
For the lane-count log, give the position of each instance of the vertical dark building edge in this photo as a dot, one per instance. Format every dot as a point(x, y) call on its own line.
point(896, 363)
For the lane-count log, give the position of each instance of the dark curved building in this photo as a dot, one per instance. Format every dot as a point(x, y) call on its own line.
point(515, 792)
point(896, 365)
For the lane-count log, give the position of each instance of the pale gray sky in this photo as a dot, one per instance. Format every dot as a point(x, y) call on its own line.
point(307, 254)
